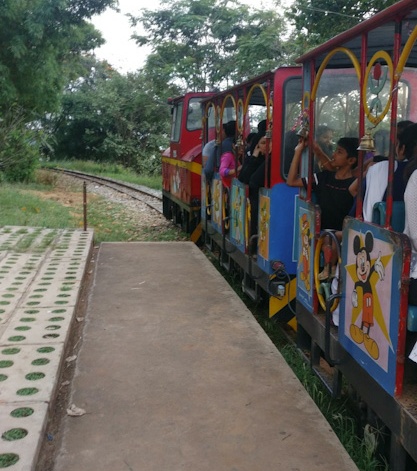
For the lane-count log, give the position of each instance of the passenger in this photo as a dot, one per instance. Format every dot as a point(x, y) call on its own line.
point(377, 176)
point(324, 138)
point(381, 139)
point(253, 161)
point(331, 187)
point(207, 150)
point(253, 174)
point(228, 162)
point(410, 201)
point(249, 141)
point(212, 161)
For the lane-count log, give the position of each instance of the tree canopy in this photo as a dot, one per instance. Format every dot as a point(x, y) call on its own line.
point(316, 21)
point(206, 43)
point(41, 44)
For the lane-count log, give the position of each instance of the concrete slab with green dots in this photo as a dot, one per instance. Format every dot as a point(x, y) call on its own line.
point(41, 271)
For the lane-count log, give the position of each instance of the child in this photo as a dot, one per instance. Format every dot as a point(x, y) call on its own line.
point(331, 186)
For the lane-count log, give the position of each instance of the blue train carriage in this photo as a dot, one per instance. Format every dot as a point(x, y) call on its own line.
point(361, 82)
point(265, 256)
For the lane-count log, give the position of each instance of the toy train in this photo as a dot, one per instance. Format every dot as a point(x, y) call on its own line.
point(358, 83)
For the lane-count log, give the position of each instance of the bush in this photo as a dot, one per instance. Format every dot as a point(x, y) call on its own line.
point(19, 148)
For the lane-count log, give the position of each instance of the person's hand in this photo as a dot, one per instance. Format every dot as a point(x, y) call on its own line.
point(302, 144)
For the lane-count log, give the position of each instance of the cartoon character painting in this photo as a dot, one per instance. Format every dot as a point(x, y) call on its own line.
point(364, 272)
point(305, 251)
point(237, 217)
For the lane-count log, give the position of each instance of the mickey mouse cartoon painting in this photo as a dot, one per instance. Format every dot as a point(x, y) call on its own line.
point(364, 271)
point(305, 251)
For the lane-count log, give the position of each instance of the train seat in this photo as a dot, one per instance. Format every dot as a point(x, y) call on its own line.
point(412, 318)
point(398, 214)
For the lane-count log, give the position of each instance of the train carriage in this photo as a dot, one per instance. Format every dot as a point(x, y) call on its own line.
point(181, 162)
point(361, 82)
point(265, 258)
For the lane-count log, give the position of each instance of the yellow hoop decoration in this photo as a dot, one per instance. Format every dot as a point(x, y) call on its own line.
point(406, 52)
point(240, 115)
point(317, 282)
point(346, 51)
point(217, 118)
point(225, 101)
point(378, 55)
point(252, 89)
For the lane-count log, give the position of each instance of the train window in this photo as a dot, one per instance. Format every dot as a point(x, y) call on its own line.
point(337, 102)
point(194, 115)
point(255, 115)
point(176, 122)
point(291, 111)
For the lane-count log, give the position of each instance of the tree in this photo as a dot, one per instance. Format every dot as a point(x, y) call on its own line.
point(316, 21)
point(106, 116)
point(42, 42)
point(204, 43)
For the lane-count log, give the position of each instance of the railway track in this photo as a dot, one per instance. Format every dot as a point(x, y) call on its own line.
point(148, 196)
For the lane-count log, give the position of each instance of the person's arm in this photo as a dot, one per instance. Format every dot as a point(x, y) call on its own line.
point(227, 165)
point(293, 178)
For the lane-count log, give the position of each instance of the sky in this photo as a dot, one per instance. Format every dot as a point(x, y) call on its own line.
point(120, 51)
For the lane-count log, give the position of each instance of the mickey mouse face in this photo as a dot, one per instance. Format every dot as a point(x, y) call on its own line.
point(363, 265)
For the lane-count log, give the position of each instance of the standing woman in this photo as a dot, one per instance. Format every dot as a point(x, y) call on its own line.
point(409, 138)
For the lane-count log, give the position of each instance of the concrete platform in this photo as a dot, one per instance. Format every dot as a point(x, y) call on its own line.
point(40, 279)
point(175, 374)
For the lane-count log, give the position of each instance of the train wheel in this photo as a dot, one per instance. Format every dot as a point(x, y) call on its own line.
point(324, 273)
point(167, 207)
point(185, 221)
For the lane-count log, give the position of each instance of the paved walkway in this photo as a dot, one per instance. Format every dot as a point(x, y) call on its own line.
point(40, 277)
point(175, 374)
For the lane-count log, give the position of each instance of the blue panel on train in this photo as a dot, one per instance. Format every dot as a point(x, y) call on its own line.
point(373, 308)
point(305, 222)
point(276, 226)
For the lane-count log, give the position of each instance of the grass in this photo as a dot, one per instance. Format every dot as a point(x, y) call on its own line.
point(109, 170)
point(26, 205)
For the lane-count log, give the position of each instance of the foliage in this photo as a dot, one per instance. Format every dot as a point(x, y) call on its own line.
point(42, 41)
point(314, 22)
point(205, 43)
point(109, 117)
point(19, 147)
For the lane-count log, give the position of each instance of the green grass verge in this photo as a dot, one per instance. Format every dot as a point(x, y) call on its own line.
point(23, 205)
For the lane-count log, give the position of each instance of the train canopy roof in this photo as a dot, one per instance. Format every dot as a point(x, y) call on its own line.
point(380, 29)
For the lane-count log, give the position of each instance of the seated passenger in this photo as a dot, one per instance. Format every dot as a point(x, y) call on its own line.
point(253, 174)
point(331, 187)
point(410, 201)
point(211, 157)
point(253, 161)
point(377, 175)
point(229, 168)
